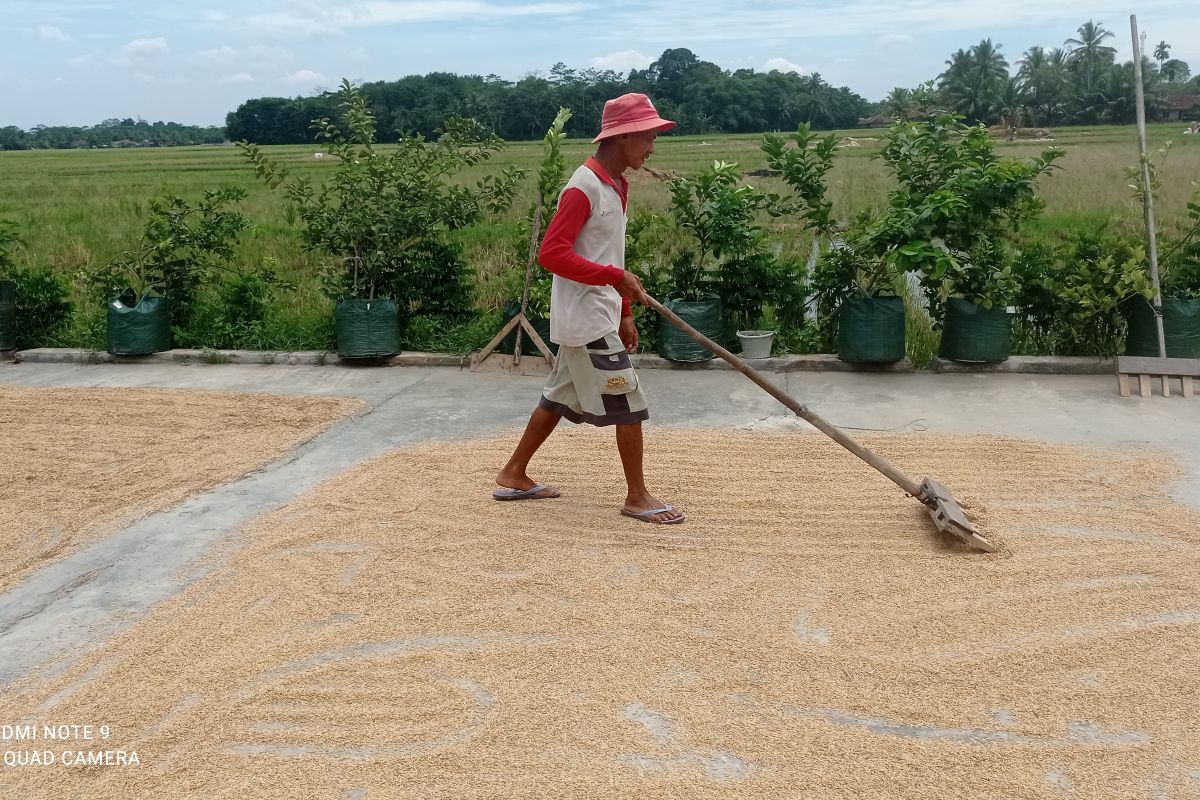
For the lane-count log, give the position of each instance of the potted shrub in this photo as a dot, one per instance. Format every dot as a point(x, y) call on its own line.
point(1074, 297)
point(150, 291)
point(724, 257)
point(8, 288)
point(383, 221)
point(1180, 262)
point(947, 222)
point(856, 290)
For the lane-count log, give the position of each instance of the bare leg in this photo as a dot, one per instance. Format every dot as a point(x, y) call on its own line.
point(629, 444)
point(541, 424)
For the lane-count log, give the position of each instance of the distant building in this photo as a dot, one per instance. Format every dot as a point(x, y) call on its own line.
point(1183, 105)
point(877, 121)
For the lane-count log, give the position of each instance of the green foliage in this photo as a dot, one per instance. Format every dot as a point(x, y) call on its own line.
point(235, 312)
point(43, 304)
point(954, 202)
point(1073, 296)
point(183, 246)
point(804, 168)
point(384, 218)
point(551, 177)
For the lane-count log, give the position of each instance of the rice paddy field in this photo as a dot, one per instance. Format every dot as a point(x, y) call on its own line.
point(77, 208)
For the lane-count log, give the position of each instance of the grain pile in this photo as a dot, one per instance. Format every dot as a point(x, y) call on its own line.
point(398, 634)
point(75, 463)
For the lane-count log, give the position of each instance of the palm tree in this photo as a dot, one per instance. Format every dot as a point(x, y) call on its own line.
point(899, 103)
point(974, 80)
point(1175, 70)
point(1089, 49)
point(1162, 52)
point(1034, 59)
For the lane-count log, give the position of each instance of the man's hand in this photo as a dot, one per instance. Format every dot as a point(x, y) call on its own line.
point(630, 286)
point(629, 334)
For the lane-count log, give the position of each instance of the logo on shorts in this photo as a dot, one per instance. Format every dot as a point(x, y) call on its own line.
point(617, 383)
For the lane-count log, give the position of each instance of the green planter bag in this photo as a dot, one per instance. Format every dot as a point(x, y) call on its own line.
point(367, 328)
point(871, 330)
point(974, 333)
point(706, 316)
point(8, 315)
point(1181, 326)
point(138, 327)
point(540, 324)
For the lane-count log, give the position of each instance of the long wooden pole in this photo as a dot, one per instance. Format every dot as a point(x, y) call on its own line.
point(832, 431)
point(1147, 193)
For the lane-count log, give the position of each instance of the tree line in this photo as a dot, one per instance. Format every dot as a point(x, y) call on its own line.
point(109, 133)
point(698, 94)
point(1077, 83)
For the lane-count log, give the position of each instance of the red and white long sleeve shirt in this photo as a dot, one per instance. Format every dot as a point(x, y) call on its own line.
point(585, 249)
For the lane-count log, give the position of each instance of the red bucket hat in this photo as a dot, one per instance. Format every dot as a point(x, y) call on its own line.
point(630, 113)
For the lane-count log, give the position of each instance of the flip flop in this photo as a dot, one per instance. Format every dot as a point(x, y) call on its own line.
point(645, 516)
point(532, 493)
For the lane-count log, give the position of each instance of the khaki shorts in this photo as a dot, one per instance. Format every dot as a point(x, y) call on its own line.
point(595, 384)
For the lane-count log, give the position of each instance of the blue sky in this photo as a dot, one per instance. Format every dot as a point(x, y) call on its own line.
point(81, 61)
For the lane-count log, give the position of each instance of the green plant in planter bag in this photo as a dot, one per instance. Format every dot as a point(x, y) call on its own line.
point(384, 216)
point(152, 290)
point(1179, 269)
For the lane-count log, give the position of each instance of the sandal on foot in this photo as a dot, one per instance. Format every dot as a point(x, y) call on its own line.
point(645, 516)
point(535, 492)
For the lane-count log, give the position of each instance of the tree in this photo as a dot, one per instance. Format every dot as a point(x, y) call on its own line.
point(975, 80)
point(1162, 52)
point(1175, 71)
point(1088, 53)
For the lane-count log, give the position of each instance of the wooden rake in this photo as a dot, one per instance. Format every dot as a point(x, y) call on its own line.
point(947, 513)
point(488, 361)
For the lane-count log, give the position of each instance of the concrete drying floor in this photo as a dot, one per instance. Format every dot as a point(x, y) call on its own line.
point(819, 718)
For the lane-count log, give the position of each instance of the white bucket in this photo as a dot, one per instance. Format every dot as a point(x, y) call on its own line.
point(756, 344)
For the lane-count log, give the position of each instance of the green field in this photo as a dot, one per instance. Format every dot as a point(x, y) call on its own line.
point(77, 208)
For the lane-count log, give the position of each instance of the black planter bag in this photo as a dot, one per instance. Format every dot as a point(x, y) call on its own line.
point(8, 315)
point(871, 330)
point(974, 333)
point(138, 327)
point(367, 328)
point(706, 316)
point(1181, 326)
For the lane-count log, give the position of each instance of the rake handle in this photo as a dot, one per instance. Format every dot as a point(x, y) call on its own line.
point(832, 431)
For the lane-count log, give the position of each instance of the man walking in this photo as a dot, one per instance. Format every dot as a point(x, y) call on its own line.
point(591, 318)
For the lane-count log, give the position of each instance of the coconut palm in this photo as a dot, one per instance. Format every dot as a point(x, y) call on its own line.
point(1162, 52)
point(899, 104)
point(1089, 51)
point(974, 80)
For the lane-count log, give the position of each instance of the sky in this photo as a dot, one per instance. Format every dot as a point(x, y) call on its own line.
point(78, 62)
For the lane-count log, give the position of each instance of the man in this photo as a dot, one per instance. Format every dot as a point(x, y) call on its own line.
point(591, 318)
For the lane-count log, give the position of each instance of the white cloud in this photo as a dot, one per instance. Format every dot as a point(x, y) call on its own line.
point(311, 21)
point(894, 39)
point(267, 53)
point(783, 65)
point(143, 50)
point(220, 55)
point(51, 33)
point(622, 61)
point(359, 55)
point(144, 77)
point(241, 77)
point(85, 60)
point(305, 76)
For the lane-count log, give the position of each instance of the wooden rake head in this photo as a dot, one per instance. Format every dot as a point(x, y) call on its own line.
point(949, 516)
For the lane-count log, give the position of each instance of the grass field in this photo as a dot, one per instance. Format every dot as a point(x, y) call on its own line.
point(81, 207)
